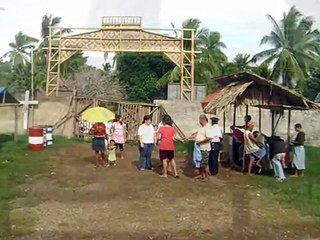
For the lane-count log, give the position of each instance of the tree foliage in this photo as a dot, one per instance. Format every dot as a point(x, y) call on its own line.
point(139, 74)
point(91, 82)
point(294, 47)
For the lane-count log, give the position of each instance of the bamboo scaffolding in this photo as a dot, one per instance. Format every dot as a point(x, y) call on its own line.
point(122, 34)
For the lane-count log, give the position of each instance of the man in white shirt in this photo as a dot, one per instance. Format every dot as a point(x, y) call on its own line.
point(215, 146)
point(203, 138)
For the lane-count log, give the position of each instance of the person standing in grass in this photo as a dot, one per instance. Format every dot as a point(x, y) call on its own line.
point(251, 148)
point(215, 146)
point(203, 138)
point(299, 157)
point(166, 136)
point(118, 134)
point(147, 139)
point(98, 131)
point(277, 166)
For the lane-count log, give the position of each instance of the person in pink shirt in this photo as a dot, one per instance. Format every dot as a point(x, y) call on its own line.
point(166, 136)
point(118, 134)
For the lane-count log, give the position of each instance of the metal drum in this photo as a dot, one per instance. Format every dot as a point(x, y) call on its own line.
point(35, 139)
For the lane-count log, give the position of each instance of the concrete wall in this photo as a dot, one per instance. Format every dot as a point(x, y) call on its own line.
point(51, 110)
point(48, 112)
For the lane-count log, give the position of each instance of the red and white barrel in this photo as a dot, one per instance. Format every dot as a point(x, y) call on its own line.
point(36, 142)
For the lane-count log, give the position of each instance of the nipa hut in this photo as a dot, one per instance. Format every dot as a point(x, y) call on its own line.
point(247, 89)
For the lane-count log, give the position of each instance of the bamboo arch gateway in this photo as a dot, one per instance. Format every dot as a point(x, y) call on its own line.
point(123, 34)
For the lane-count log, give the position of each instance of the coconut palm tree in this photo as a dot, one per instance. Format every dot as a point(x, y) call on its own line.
point(208, 62)
point(20, 49)
point(294, 46)
point(47, 22)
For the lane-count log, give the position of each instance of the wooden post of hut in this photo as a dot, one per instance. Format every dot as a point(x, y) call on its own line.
point(288, 134)
point(260, 122)
point(224, 122)
point(16, 123)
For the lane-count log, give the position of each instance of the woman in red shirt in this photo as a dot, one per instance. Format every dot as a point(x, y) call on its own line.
point(166, 136)
point(98, 131)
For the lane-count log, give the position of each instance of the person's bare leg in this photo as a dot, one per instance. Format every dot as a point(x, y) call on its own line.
point(200, 174)
point(165, 168)
point(97, 159)
point(250, 167)
point(203, 173)
point(174, 167)
point(169, 167)
point(103, 159)
point(206, 174)
point(258, 163)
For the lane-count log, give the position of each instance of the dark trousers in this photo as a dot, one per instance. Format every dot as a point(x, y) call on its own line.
point(145, 156)
point(213, 159)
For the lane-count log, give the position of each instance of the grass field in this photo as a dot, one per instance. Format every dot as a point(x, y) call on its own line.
point(301, 193)
point(21, 167)
point(17, 166)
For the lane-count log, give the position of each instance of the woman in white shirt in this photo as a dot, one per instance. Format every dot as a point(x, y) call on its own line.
point(147, 138)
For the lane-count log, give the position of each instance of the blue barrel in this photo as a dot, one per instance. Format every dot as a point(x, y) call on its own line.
point(49, 137)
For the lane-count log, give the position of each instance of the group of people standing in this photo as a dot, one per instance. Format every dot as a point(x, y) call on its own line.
point(207, 142)
point(164, 138)
point(110, 137)
point(107, 139)
point(256, 149)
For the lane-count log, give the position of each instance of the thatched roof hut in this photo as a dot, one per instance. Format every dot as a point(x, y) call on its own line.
point(247, 89)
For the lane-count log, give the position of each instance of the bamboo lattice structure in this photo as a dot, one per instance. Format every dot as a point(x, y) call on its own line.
point(123, 34)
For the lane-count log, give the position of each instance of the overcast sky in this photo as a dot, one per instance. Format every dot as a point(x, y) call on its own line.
point(242, 23)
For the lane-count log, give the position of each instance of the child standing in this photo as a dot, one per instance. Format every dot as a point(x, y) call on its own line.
point(112, 158)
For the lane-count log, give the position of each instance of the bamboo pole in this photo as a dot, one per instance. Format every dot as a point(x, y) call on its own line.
point(260, 122)
point(272, 123)
point(182, 66)
point(224, 122)
point(16, 123)
point(247, 113)
point(192, 66)
point(289, 126)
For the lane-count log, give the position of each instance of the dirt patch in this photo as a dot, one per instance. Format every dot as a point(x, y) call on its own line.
point(76, 201)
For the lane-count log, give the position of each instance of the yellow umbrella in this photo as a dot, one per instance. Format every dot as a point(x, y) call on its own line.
point(97, 114)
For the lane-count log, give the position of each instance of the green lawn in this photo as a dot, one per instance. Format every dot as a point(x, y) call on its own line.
point(301, 193)
point(17, 166)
